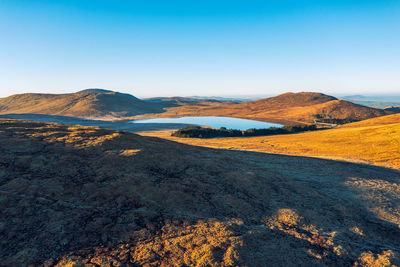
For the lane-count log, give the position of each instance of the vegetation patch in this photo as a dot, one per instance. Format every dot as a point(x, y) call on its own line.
point(203, 132)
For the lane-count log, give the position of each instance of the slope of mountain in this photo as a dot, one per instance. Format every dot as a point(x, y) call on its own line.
point(337, 110)
point(289, 108)
point(287, 100)
point(90, 103)
point(85, 196)
point(384, 120)
point(95, 90)
point(374, 141)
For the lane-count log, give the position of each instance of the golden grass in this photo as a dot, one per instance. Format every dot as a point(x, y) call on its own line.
point(377, 145)
point(370, 260)
point(384, 120)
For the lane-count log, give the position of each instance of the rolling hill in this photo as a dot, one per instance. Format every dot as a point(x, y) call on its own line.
point(374, 141)
point(289, 108)
point(384, 120)
point(90, 103)
point(86, 196)
point(288, 100)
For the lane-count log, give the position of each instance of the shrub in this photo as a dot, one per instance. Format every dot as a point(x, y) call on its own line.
point(202, 132)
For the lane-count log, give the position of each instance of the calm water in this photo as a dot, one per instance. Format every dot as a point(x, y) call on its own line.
point(216, 122)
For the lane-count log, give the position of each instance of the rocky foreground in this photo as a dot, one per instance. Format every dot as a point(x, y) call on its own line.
point(86, 196)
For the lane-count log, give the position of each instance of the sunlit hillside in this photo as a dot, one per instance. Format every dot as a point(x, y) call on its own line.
point(375, 141)
point(91, 103)
point(384, 120)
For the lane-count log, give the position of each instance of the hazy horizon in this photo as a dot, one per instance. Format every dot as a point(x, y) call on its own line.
point(381, 97)
point(180, 48)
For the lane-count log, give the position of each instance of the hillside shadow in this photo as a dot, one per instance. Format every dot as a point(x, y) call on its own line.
point(63, 190)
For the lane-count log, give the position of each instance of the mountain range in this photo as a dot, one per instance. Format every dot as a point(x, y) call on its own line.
point(288, 108)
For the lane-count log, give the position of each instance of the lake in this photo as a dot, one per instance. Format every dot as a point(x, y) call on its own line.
point(213, 121)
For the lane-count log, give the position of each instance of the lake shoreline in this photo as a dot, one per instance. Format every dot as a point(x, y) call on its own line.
point(213, 122)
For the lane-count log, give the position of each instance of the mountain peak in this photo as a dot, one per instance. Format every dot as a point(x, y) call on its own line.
point(95, 91)
point(308, 96)
point(294, 100)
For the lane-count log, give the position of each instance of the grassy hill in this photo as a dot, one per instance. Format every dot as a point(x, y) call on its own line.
point(374, 141)
point(289, 108)
point(287, 100)
point(86, 196)
point(384, 120)
point(90, 103)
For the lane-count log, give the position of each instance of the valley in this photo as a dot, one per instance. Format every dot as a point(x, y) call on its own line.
point(99, 195)
point(100, 104)
point(199, 133)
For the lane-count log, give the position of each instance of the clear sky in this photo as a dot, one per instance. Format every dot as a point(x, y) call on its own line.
point(161, 48)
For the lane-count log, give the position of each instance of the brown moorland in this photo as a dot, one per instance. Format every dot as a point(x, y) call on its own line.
point(288, 108)
point(86, 196)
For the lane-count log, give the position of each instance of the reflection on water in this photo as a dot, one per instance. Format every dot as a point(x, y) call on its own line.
point(216, 122)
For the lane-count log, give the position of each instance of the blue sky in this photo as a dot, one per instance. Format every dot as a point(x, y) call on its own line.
point(163, 48)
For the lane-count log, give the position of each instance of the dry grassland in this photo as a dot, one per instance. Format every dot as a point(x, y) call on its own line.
point(378, 144)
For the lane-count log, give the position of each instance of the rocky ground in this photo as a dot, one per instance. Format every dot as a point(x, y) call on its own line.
point(86, 196)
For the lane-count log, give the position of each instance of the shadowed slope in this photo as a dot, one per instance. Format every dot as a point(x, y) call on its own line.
point(84, 195)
